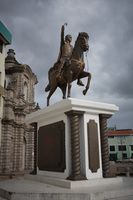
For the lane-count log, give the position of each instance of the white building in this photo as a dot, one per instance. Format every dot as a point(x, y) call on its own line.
point(5, 39)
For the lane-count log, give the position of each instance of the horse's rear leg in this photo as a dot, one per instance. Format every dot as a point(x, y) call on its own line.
point(63, 89)
point(69, 78)
point(52, 90)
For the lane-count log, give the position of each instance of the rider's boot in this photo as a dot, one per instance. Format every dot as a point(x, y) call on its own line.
point(59, 74)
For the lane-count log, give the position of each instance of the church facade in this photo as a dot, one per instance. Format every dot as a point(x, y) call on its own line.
point(17, 140)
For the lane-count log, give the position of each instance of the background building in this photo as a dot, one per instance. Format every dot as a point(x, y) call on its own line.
point(17, 142)
point(120, 144)
point(5, 39)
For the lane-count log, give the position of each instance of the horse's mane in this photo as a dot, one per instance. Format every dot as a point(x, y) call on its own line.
point(81, 34)
point(84, 34)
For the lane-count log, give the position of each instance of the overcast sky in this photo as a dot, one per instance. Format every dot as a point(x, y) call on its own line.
point(35, 26)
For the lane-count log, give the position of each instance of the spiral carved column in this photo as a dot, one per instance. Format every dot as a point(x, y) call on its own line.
point(104, 145)
point(75, 146)
point(35, 148)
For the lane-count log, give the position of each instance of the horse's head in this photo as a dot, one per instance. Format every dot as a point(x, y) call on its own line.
point(83, 38)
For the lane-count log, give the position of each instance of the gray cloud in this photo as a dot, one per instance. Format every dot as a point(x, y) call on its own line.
point(35, 26)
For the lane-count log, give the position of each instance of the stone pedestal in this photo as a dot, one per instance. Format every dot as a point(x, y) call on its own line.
point(72, 139)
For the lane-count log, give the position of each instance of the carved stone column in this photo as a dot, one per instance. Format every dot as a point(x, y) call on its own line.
point(104, 145)
point(75, 146)
point(5, 151)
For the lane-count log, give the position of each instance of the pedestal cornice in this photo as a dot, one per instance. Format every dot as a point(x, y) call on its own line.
point(71, 104)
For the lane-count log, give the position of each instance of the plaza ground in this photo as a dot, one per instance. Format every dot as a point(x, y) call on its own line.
point(119, 188)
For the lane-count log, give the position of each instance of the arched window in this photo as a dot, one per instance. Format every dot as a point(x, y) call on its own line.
point(25, 91)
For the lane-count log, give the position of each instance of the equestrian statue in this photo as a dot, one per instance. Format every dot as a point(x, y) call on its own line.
point(69, 65)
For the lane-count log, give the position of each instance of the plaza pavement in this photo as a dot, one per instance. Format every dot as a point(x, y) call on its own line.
point(23, 189)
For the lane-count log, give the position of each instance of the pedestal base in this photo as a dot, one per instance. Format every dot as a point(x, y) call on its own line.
point(72, 139)
point(76, 178)
point(71, 184)
point(109, 175)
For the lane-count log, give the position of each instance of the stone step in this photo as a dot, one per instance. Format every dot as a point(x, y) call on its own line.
point(74, 184)
point(21, 189)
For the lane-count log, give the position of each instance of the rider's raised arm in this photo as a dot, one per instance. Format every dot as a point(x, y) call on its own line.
point(61, 42)
point(62, 35)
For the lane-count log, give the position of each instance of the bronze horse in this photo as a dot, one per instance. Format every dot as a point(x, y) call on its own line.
point(73, 69)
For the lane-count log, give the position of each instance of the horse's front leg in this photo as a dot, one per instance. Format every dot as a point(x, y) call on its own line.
point(88, 84)
point(69, 78)
point(83, 75)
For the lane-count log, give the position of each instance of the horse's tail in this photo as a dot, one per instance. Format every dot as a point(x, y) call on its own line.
point(52, 73)
point(47, 88)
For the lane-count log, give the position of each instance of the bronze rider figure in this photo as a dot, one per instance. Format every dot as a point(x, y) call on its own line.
point(65, 53)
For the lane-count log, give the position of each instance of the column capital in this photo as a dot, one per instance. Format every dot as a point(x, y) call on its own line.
point(73, 112)
point(107, 116)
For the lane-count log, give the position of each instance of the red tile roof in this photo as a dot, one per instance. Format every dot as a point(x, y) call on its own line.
point(121, 132)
